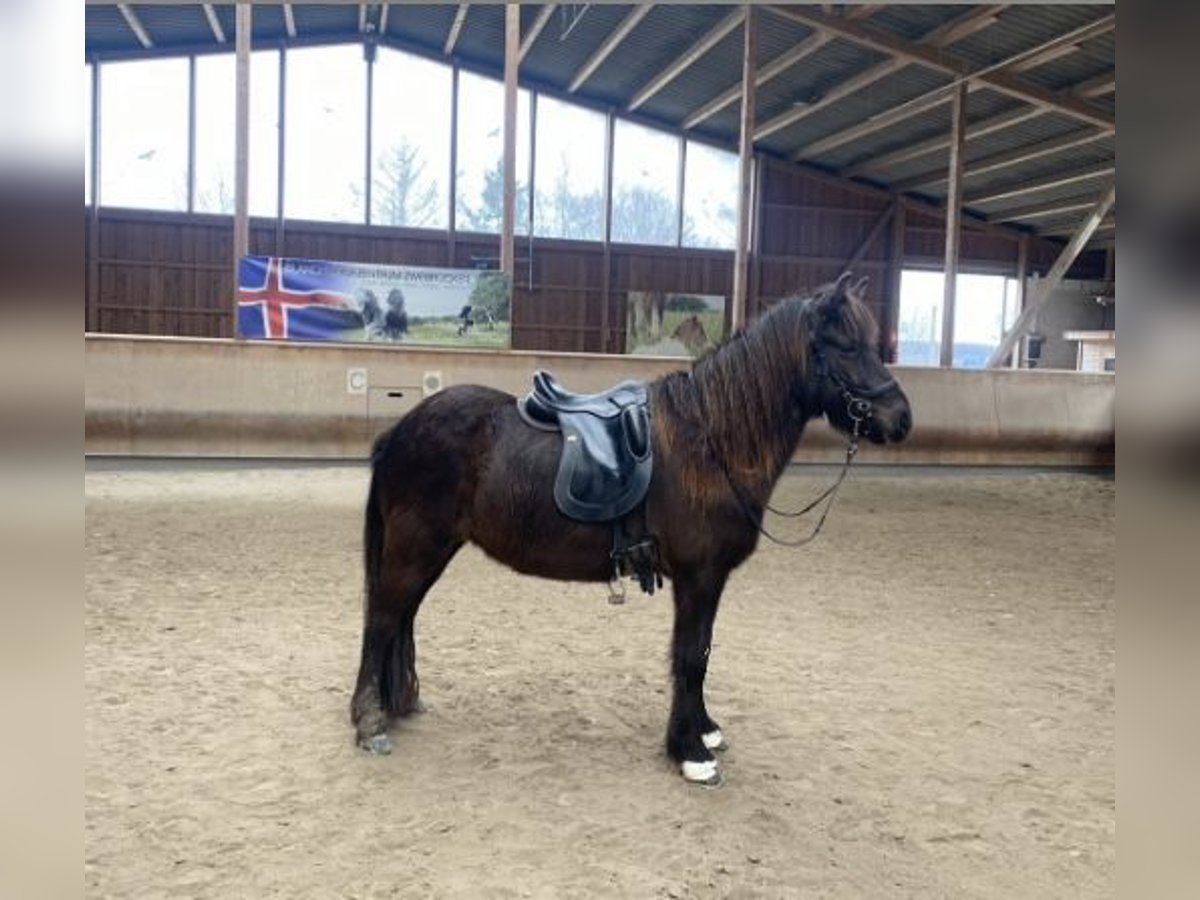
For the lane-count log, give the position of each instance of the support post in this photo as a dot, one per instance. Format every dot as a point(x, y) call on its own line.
point(512, 47)
point(191, 159)
point(741, 271)
point(92, 320)
point(241, 214)
point(953, 219)
point(1022, 276)
point(1047, 286)
point(369, 55)
point(891, 311)
point(680, 188)
point(452, 200)
point(610, 130)
point(280, 146)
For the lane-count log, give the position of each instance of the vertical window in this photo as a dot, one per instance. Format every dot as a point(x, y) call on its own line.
point(144, 134)
point(710, 197)
point(569, 172)
point(326, 146)
point(480, 180)
point(87, 134)
point(216, 120)
point(645, 185)
point(984, 308)
point(410, 143)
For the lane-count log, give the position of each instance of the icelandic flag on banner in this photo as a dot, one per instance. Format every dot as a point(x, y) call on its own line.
point(299, 300)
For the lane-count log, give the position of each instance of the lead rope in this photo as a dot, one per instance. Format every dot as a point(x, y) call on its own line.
point(859, 411)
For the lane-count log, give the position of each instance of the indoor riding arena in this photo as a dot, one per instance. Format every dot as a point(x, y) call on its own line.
point(855, 258)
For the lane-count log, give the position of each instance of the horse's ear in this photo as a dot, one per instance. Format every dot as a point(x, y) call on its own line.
point(860, 286)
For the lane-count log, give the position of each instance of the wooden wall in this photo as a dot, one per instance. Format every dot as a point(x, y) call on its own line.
point(172, 273)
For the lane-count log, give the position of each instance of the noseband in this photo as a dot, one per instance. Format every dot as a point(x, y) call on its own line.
point(859, 407)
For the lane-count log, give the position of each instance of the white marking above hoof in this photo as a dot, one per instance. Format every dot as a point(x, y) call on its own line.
point(714, 740)
point(706, 772)
point(377, 744)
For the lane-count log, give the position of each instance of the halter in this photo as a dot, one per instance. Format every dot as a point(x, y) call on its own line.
point(859, 409)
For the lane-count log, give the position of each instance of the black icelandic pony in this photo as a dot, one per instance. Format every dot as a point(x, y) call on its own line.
point(463, 466)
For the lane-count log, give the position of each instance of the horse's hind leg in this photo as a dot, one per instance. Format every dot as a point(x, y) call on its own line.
point(692, 735)
point(388, 686)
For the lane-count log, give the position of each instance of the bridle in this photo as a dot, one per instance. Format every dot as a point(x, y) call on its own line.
point(859, 409)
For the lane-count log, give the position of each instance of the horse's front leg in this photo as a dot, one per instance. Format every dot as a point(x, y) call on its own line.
point(692, 735)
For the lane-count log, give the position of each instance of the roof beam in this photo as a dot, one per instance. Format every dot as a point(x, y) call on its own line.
point(1109, 223)
point(945, 34)
point(938, 142)
point(460, 16)
point(844, 89)
point(932, 58)
point(605, 50)
point(693, 53)
point(1040, 59)
point(214, 23)
point(135, 25)
point(863, 11)
point(942, 141)
point(1047, 286)
point(937, 37)
point(774, 68)
point(289, 20)
point(1097, 86)
point(971, 22)
point(1008, 158)
point(1043, 210)
point(535, 29)
point(994, 195)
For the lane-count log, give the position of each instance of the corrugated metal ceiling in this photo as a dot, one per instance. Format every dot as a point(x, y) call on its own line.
point(573, 33)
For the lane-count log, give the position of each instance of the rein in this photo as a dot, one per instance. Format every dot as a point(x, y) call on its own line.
point(853, 406)
point(859, 409)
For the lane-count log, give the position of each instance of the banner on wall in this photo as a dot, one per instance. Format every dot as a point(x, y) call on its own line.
point(664, 324)
point(284, 299)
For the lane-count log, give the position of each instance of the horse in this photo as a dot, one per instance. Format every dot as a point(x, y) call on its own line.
point(690, 332)
point(464, 466)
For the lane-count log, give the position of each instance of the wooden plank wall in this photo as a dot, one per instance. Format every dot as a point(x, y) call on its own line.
point(171, 273)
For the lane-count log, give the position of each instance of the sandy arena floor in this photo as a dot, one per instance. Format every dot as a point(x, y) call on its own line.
point(921, 704)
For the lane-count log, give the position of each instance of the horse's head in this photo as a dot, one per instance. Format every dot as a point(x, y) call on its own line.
point(848, 380)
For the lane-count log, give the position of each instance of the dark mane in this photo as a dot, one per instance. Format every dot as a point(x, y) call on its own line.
point(745, 395)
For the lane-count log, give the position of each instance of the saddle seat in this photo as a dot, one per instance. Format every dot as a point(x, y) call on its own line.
point(606, 461)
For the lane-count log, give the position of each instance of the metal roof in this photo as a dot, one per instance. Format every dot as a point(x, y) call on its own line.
point(1064, 85)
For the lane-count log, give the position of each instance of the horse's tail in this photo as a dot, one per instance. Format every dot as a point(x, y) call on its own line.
point(373, 526)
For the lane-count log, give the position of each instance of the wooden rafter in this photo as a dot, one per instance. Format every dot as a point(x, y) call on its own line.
point(605, 50)
point(1042, 210)
point(935, 59)
point(535, 29)
point(1050, 182)
point(1007, 158)
point(214, 24)
point(135, 25)
point(774, 68)
point(686, 59)
point(460, 16)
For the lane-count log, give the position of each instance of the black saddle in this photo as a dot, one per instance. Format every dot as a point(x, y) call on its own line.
point(606, 462)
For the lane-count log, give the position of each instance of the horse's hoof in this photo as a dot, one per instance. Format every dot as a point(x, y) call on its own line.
point(376, 744)
point(706, 773)
point(715, 740)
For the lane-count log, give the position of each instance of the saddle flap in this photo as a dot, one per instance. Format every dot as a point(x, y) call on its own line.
point(606, 461)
